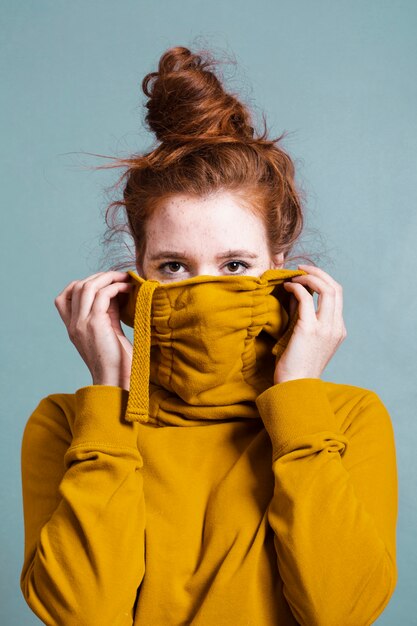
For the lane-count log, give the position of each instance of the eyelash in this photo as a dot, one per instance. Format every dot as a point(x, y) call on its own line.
point(161, 267)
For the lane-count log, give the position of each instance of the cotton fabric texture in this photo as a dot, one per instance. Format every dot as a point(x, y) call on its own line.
point(207, 495)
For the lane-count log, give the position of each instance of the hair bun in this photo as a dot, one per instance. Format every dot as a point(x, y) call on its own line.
point(187, 100)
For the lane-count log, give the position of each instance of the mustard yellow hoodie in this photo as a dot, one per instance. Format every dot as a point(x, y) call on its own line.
point(207, 495)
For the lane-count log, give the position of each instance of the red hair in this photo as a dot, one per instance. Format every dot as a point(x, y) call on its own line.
point(207, 144)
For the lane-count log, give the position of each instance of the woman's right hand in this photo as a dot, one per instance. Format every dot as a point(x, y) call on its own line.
point(90, 310)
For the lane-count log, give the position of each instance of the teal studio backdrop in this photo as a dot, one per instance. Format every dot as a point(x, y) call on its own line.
point(339, 77)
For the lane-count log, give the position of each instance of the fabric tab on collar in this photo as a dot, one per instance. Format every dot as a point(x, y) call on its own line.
point(138, 401)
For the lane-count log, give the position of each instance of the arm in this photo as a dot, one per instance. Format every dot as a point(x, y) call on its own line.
point(334, 507)
point(84, 512)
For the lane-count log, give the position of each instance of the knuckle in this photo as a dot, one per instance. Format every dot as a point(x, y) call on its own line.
point(79, 327)
point(341, 333)
point(78, 288)
point(76, 329)
point(87, 286)
point(326, 331)
point(328, 290)
point(90, 325)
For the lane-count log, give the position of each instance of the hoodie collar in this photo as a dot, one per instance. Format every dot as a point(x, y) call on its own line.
point(204, 348)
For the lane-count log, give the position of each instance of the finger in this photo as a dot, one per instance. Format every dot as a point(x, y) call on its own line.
point(63, 302)
point(64, 298)
point(326, 296)
point(77, 294)
point(306, 310)
point(104, 296)
point(66, 291)
point(317, 271)
point(339, 289)
point(85, 291)
point(339, 300)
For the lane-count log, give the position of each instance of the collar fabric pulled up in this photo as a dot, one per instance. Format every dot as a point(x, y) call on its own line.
point(204, 348)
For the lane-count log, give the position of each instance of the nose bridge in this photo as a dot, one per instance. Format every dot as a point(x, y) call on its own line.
point(138, 400)
point(204, 269)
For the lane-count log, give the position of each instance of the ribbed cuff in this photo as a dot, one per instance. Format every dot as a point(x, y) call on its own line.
point(99, 417)
point(296, 408)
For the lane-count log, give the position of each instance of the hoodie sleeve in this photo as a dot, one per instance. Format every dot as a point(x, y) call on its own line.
point(84, 512)
point(335, 502)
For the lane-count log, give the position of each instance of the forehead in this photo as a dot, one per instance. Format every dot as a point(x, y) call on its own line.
point(217, 211)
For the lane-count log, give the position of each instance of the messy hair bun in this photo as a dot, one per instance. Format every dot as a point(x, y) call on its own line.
point(206, 142)
point(187, 100)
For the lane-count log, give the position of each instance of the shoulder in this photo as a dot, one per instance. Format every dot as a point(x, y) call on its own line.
point(358, 408)
point(345, 393)
point(50, 419)
point(60, 402)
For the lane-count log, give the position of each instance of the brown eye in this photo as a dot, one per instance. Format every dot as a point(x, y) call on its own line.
point(162, 267)
point(242, 263)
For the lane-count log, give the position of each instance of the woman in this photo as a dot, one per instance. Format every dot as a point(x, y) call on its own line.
point(208, 475)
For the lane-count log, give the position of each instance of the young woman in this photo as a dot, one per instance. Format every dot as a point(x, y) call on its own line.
point(208, 475)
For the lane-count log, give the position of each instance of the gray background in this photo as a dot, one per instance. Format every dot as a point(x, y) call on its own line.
point(340, 77)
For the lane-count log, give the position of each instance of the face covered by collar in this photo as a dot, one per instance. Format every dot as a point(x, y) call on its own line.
point(204, 348)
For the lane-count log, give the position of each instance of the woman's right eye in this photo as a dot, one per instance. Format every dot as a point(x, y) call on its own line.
point(162, 267)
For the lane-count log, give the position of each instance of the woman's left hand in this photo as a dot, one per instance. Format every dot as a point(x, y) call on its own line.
point(317, 334)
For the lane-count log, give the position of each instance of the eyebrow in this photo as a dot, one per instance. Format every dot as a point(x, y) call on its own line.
point(163, 254)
